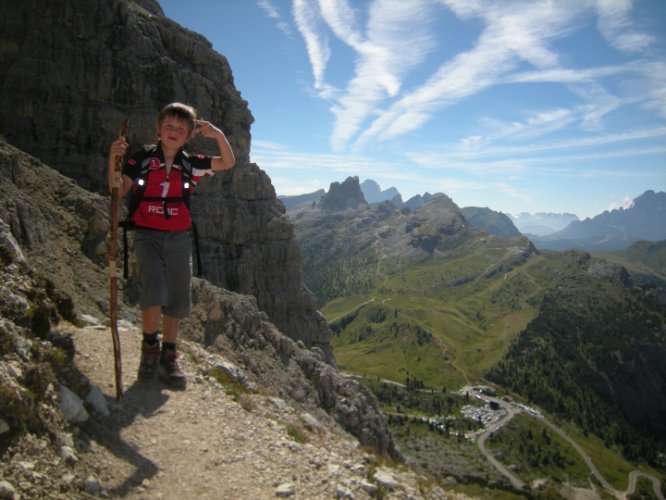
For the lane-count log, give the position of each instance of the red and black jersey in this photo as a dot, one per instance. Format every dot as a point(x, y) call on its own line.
point(161, 200)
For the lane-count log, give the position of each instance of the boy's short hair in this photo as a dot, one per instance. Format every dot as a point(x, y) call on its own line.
point(179, 111)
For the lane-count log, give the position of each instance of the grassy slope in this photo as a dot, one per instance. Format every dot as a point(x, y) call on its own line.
point(594, 354)
point(416, 324)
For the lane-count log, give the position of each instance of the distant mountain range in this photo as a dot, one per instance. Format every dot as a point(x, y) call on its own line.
point(643, 220)
point(372, 194)
point(542, 224)
point(425, 295)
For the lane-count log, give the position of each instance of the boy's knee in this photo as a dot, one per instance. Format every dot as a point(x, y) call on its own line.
point(177, 311)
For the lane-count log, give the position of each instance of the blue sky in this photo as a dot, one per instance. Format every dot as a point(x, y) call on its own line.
point(520, 106)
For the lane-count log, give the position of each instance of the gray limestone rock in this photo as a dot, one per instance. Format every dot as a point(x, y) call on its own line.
point(343, 196)
point(71, 406)
point(231, 323)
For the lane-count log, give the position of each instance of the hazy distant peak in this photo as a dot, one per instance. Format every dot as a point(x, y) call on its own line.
point(542, 223)
point(374, 194)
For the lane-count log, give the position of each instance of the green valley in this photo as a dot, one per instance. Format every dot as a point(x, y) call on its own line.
point(420, 298)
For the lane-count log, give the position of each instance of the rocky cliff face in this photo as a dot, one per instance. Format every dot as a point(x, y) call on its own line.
point(231, 324)
point(73, 69)
point(60, 227)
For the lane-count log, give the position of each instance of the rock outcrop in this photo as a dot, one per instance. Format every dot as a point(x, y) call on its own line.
point(232, 324)
point(60, 228)
point(343, 196)
point(77, 68)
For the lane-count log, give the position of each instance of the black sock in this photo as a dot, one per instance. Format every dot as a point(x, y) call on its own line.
point(150, 338)
point(168, 346)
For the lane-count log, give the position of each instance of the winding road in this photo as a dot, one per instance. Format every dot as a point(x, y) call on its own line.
point(517, 483)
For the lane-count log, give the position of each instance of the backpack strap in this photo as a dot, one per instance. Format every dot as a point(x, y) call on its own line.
point(136, 194)
point(186, 177)
point(135, 197)
point(197, 253)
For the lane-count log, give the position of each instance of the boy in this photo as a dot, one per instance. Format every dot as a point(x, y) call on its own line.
point(162, 221)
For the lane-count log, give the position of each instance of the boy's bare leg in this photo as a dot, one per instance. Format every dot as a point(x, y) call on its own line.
point(170, 329)
point(150, 317)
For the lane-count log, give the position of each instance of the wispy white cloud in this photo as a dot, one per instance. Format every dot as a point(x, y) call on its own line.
point(342, 19)
point(308, 21)
point(275, 156)
point(510, 37)
point(568, 75)
point(461, 187)
point(547, 151)
point(391, 38)
point(596, 141)
point(589, 116)
point(575, 158)
point(272, 13)
point(655, 86)
point(535, 125)
point(269, 9)
point(615, 25)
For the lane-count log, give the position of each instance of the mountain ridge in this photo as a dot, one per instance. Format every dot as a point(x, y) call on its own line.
point(617, 229)
point(613, 229)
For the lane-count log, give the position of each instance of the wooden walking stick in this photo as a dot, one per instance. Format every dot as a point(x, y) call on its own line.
point(113, 299)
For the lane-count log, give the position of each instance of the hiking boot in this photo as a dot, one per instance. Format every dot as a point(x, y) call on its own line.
point(150, 355)
point(169, 371)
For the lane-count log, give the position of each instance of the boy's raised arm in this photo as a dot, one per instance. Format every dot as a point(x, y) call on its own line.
point(226, 160)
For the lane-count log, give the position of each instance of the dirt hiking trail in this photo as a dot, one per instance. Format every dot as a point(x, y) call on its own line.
point(207, 442)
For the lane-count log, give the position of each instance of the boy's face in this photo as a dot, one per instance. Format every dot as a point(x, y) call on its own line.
point(173, 132)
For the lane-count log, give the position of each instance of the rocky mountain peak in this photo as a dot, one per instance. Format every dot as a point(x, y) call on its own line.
point(343, 196)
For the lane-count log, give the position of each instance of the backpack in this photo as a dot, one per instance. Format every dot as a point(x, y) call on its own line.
point(137, 196)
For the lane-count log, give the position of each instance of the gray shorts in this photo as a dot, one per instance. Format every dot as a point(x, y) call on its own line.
point(165, 270)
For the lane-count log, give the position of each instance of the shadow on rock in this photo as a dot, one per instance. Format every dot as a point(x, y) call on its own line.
point(141, 401)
